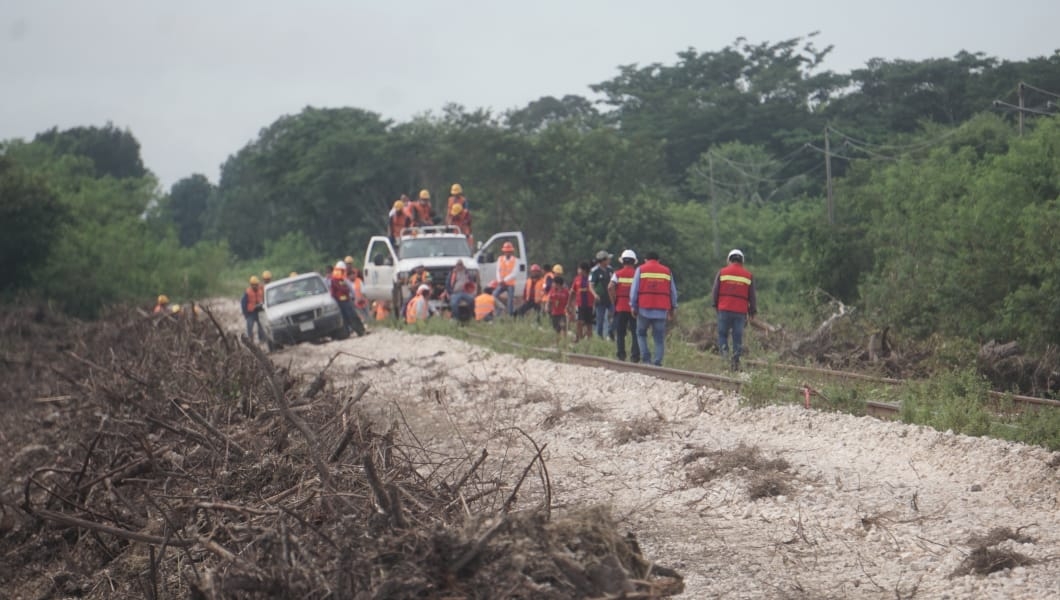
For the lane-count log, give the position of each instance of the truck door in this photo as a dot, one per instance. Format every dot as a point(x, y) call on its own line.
point(379, 261)
point(487, 255)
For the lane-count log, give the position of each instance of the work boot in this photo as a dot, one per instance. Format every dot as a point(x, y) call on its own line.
point(736, 363)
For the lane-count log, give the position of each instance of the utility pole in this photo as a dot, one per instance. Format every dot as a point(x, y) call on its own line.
point(714, 205)
point(1019, 89)
point(828, 176)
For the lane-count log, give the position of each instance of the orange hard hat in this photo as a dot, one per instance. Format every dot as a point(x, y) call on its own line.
point(507, 247)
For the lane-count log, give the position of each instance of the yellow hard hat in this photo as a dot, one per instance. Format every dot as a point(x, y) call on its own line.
point(457, 209)
point(425, 195)
point(456, 189)
point(348, 260)
point(293, 274)
point(174, 309)
point(266, 275)
point(557, 269)
point(398, 205)
point(163, 299)
point(254, 280)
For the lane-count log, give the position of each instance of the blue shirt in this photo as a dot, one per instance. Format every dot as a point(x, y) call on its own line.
point(650, 313)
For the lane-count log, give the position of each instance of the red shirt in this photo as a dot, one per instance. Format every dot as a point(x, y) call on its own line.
point(557, 301)
point(580, 289)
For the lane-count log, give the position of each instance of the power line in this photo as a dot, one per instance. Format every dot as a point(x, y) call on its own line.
point(1039, 90)
point(897, 147)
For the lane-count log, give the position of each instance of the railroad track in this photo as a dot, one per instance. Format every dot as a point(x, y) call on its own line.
point(881, 410)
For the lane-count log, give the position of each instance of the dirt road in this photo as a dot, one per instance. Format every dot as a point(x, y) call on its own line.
point(855, 508)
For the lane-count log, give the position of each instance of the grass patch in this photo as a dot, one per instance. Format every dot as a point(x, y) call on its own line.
point(762, 389)
point(955, 400)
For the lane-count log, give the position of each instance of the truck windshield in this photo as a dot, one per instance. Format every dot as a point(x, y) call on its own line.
point(430, 247)
point(300, 288)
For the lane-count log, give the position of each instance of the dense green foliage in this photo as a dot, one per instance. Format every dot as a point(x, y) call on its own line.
point(89, 239)
point(945, 218)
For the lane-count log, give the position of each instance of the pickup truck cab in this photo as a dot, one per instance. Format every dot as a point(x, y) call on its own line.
point(436, 248)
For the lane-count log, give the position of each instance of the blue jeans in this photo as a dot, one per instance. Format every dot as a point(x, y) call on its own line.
point(509, 292)
point(252, 320)
point(604, 312)
point(658, 332)
point(455, 300)
point(730, 322)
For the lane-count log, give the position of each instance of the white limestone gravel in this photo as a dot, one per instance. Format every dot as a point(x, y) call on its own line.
point(875, 510)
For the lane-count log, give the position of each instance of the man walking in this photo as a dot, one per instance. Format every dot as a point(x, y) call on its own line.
point(734, 299)
point(653, 300)
point(599, 280)
point(618, 290)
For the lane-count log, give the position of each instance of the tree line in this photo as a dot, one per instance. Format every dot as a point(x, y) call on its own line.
point(942, 211)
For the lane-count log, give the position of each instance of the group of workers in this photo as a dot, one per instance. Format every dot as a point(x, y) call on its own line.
point(406, 213)
point(636, 299)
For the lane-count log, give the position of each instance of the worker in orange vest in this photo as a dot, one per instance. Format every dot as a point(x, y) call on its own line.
point(381, 308)
point(253, 303)
point(398, 220)
point(456, 196)
point(460, 218)
point(735, 300)
point(485, 305)
point(162, 304)
point(506, 267)
point(418, 309)
point(421, 210)
point(533, 292)
point(342, 292)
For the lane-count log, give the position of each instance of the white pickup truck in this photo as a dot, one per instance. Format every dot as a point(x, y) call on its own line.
point(436, 248)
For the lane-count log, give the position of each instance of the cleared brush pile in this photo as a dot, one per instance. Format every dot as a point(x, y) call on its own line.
point(163, 458)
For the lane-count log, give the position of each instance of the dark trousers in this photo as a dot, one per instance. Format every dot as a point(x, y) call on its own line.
point(624, 322)
point(350, 319)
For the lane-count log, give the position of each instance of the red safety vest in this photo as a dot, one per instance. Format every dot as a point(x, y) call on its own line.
point(734, 288)
point(255, 298)
point(399, 221)
point(623, 287)
point(653, 291)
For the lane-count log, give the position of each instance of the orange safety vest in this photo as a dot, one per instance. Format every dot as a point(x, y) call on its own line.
point(534, 290)
point(255, 298)
point(382, 311)
point(506, 269)
point(734, 289)
point(462, 221)
point(159, 308)
point(415, 306)
point(623, 287)
point(423, 211)
point(653, 291)
point(399, 221)
point(484, 305)
point(461, 200)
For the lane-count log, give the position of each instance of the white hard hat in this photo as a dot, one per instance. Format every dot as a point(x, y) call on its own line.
point(735, 252)
point(423, 288)
point(340, 265)
point(628, 254)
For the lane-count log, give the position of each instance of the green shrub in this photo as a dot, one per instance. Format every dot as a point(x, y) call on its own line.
point(954, 400)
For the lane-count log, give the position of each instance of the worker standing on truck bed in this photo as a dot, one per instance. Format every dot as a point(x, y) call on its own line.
point(456, 196)
point(421, 210)
point(398, 220)
point(460, 218)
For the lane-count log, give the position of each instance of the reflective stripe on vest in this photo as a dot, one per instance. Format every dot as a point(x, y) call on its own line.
point(734, 289)
point(653, 291)
point(506, 269)
point(623, 286)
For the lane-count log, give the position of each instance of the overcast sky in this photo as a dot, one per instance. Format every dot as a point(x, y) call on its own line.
point(196, 80)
